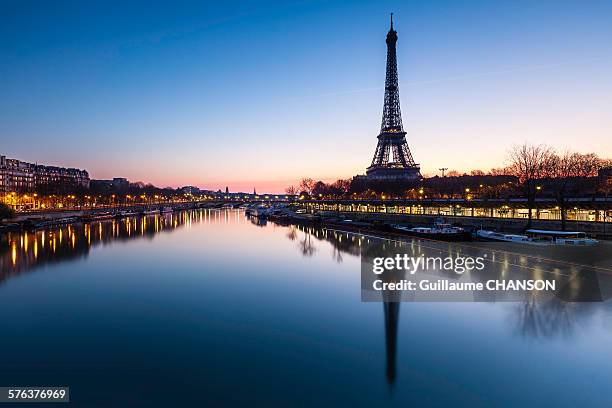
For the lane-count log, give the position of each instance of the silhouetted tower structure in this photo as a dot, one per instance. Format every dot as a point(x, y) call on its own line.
point(392, 158)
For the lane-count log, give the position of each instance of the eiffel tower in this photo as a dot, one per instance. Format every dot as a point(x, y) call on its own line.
point(392, 158)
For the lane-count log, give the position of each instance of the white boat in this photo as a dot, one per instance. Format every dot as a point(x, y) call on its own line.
point(496, 236)
point(440, 231)
point(121, 214)
point(166, 210)
point(561, 237)
point(539, 237)
point(261, 212)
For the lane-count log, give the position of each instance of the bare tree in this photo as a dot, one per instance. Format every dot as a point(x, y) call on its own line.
point(342, 186)
point(452, 173)
point(529, 163)
point(291, 190)
point(319, 188)
point(568, 170)
point(503, 171)
point(306, 185)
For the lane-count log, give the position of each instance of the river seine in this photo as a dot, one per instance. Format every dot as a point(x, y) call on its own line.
point(208, 308)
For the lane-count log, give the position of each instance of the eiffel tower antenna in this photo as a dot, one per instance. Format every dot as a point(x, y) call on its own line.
point(392, 157)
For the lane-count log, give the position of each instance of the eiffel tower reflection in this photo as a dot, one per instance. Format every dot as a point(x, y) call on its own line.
point(392, 310)
point(391, 306)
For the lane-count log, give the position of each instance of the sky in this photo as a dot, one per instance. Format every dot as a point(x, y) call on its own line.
point(260, 94)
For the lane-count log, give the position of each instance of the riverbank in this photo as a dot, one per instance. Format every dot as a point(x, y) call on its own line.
point(599, 230)
point(379, 223)
point(382, 224)
point(44, 219)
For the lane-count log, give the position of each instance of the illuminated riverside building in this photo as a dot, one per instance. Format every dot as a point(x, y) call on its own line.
point(16, 175)
point(19, 176)
point(595, 209)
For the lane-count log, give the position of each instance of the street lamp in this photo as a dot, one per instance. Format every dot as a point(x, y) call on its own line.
point(535, 196)
point(576, 215)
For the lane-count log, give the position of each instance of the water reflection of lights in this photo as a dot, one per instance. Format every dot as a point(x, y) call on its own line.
point(502, 263)
point(26, 249)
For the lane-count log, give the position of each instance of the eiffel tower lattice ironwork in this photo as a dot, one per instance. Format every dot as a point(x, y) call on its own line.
point(392, 158)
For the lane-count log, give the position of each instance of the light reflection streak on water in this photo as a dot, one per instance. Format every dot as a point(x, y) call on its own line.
point(16, 252)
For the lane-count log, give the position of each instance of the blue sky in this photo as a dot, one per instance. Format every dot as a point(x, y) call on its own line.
point(262, 93)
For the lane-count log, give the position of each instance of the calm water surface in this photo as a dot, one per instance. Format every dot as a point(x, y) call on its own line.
point(206, 307)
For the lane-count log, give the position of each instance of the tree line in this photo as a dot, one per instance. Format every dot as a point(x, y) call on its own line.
point(541, 167)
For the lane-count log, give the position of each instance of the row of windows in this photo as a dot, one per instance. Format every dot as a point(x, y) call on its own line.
point(539, 214)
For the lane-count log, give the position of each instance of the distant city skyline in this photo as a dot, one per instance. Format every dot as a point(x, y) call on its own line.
point(262, 94)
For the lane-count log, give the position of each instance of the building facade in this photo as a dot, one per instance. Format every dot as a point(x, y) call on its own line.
point(19, 176)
